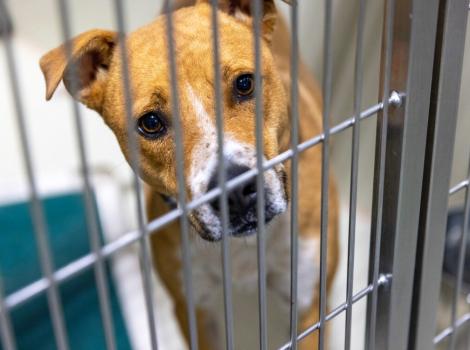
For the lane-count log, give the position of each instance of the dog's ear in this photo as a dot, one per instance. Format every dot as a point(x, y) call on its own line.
point(241, 9)
point(84, 73)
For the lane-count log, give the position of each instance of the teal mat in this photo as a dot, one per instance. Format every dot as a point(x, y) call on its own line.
point(19, 266)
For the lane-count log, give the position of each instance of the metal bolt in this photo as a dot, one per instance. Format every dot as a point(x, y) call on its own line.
point(396, 99)
point(384, 279)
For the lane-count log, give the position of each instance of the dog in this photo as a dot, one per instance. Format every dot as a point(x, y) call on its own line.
point(98, 84)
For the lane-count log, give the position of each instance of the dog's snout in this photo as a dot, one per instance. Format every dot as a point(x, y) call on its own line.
point(242, 198)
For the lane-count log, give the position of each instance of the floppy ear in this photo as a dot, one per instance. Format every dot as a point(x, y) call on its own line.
point(85, 72)
point(241, 9)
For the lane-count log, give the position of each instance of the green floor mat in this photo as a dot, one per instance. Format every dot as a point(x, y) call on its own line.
point(19, 266)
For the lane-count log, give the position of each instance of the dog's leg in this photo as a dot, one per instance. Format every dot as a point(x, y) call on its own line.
point(309, 218)
point(166, 251)
point(205, 325)
point(306, 320)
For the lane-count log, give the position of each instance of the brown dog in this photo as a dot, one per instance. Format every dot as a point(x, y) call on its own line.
point(99, 86)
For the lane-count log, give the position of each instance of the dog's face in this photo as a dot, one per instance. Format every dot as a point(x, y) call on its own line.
point(97, 60)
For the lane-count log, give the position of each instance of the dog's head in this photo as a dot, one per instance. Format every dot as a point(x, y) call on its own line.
point(98, 83)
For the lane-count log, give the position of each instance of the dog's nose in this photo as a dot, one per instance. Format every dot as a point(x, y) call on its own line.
point(242, 198)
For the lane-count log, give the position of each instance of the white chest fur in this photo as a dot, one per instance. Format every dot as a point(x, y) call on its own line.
point(207, 265)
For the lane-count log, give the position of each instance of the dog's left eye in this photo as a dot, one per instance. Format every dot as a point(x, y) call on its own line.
point(244, 86)
point(151, 125)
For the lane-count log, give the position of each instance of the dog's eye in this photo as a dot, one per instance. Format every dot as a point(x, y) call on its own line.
point(244, 86)
point(151, 125)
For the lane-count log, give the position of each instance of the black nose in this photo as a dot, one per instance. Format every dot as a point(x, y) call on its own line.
point(241, 199)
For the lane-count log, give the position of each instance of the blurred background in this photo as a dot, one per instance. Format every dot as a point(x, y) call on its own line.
point(52, 137)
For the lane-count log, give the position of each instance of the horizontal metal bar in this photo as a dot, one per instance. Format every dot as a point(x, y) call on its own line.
point(339, 309)
point(460, 186)
point(449, 330)
point(243, 178)
point(68, 271)
point(22, 295)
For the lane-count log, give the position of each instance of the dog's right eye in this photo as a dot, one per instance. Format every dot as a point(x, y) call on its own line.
point(151, 125)
point(244, 86)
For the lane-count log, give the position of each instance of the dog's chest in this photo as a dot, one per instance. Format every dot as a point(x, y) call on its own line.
point(207, 265)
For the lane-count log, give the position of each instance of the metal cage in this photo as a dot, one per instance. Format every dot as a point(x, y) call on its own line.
point(421, 67)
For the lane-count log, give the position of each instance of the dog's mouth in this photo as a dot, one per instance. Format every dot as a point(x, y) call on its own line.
point(245, 228)
point(239, 227)
point(207, 220)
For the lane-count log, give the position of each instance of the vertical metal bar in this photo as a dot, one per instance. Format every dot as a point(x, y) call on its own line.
point(145, 256)
point(7, 338)
point(443, 118)
point(6, 26)
point(294, 226)
point(460, 267)
point(358, 79)
point(227, 278)
point(37, 210)
point(91, 215)
point(180, 177)
point(257, 10)
point(464, 235)
point(382, 129)
point(325, 171)
point(414, 28)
